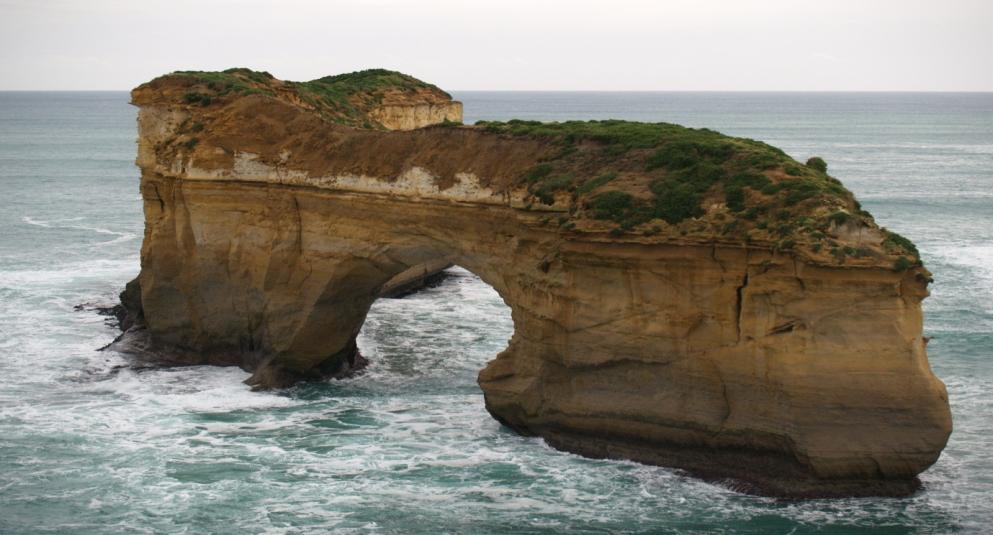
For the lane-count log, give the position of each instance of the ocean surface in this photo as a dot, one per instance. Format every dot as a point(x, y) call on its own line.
point(88, 445)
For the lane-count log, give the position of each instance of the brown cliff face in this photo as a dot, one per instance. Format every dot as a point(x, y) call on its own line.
point(684, 344)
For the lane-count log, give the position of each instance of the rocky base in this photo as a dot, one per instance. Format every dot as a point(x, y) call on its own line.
point(137, 342)
point(271, 373)
point(761, 473)
point(267, 373)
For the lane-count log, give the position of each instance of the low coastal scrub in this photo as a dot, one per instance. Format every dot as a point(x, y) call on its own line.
point(683, 167)
point(902, 264)
point(697, 181)
point(222, 83)
point(595, 183)
point(370, 81)
point(620, 207)
point(817, 164)
point(340, 98)
point(193, 97)
point(839, 218)
point(545, 189)
point(544, 185)
point(894, 242)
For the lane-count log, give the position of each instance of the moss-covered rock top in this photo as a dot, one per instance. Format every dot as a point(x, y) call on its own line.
point(342, 99)
point(660, 178)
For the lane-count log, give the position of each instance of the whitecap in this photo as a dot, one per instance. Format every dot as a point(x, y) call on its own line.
point(48, 224)
point(59, 224)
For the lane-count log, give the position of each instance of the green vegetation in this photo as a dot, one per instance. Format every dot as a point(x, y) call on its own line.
point(612, 205)
point(734, 189)
point(793, 169)
point(682, 166)
point(339, 98)
point(753, 213)
point(818, 164)
point(894, 242)
point(371, 81)
point(221, 83)
point(901, 264)
point(620, 207)
point(676, 201)
point(626, 134)
point(538, 172)
point(193, 97)
point(840, 218)
point(345, 95)
point(679, 175)
point(545, 190)
point(595, 183)
point(801, 190)
point(735, 199)
point(690, 152)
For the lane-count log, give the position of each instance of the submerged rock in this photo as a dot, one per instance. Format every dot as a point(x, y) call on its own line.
point(679, 297)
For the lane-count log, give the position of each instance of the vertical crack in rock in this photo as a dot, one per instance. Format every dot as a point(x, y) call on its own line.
point(158, 197)
point(724, 396)
point(713, 256)
point(299, 224)
point(739, 292)
point(796, 275)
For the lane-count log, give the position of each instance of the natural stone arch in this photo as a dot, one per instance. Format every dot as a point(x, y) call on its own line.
point(270, 230)
point(326, 323)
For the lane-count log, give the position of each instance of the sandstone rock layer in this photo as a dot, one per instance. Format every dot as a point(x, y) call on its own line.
point(782, 374)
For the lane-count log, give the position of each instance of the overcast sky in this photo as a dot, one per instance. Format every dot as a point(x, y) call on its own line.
point(827, 45)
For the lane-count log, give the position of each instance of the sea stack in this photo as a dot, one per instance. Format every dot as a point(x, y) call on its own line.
point(679, 297)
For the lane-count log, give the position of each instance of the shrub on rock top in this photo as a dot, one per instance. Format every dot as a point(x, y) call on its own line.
point(817, 163)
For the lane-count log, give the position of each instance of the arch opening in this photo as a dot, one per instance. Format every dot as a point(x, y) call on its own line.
point(435, 340)
point(469, 300)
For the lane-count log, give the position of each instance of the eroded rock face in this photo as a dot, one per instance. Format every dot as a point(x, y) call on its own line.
point(412, 116)
point(792, 376)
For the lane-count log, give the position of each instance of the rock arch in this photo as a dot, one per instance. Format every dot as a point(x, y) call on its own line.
point(270, 231)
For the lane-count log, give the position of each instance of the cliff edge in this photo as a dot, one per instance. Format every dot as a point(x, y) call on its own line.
point(679, 297)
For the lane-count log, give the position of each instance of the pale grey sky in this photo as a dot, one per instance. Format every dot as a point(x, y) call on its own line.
point(825, 45)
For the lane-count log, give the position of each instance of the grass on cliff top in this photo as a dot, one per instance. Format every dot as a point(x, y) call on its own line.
point(685, 170)
point(341, 98)
point(237, 80)
point(349, 93)
point(682, 166)
point(372, 81)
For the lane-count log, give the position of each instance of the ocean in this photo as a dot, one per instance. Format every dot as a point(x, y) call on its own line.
point(89, 445)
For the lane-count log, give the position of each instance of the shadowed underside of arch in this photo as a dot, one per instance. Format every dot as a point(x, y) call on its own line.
point(270, 230)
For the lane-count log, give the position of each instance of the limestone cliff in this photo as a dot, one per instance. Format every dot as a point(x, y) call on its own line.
point(679, 297)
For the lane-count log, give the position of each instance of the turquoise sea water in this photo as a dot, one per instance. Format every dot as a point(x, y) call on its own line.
point(87, 446)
